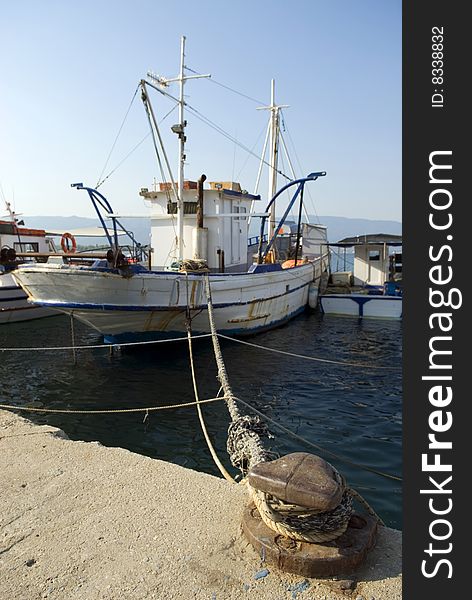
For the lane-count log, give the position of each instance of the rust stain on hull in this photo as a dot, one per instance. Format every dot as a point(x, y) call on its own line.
point(250, 318)
point(160, 321)
point(192, 293)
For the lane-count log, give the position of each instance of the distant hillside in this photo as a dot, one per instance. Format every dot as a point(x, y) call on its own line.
point(342, 227)
point(338, 227)
point(139, 227)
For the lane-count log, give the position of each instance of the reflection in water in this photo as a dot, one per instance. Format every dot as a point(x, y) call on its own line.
point(350, 411)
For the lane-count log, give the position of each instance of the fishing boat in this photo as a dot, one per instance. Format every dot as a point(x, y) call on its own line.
point(374, 288)
point(17, 244)
point(198, 230)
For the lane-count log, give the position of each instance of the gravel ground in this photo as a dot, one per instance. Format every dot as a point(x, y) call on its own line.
point(86, 522)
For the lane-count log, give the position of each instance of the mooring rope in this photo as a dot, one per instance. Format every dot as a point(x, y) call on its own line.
point(72, 337)
point(256, 452)
point(304, 356)
point(244, 443)
point(301, 523)
point(103, 346)
point(317, 446)
point(198, 336)
point(295, 522)
point(211, 448)
point(366, 505)
point(108, 411)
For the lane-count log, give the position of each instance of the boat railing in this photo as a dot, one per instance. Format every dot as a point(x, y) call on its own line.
point(300, 183)
point(254, 240)
point(100, 203)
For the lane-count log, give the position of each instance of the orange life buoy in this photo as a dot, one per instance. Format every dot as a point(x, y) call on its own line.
point(66, 247)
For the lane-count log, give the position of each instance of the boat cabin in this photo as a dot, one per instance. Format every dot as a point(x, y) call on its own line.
point(374, 262)
point(16, 240)
point(219, 236)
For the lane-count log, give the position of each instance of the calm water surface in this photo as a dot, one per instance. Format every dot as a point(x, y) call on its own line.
point(351, 411)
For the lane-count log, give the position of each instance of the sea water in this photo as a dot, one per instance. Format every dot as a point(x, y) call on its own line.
point(352, 413)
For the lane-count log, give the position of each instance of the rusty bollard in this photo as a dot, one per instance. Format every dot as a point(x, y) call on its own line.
point(307, 481)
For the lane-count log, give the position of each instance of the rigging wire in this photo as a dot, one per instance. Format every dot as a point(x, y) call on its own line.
point(226, 87)
point(122, 161)
point(286, 129)
point(134, 148)
point(2, 193)
point(227, 135)
point(252, 150)
point(118, 135)
point(220, 130)
point(291, 214)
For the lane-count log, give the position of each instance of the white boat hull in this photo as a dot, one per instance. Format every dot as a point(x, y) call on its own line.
point(151, 305)
point(362, 306)
point(14, 305)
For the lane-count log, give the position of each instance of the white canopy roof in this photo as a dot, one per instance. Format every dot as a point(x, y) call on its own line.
point(86, 232)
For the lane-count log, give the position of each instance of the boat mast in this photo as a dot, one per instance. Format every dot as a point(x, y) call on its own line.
point(273, 158)
point(14, 220)
point(274, 132)
point(182, 138)
point(179, 129)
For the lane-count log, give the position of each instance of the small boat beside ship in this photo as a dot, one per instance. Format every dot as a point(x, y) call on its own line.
point(195, 232)
point(17, 244)
point(374, 288)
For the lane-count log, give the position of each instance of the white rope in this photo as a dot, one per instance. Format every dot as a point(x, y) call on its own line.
point(286, 353)
point(255, 448)
point(316, 446)
point(92, 346)
point(206, 435)
point(108, 411)
point(199, 336)
point(211, 448)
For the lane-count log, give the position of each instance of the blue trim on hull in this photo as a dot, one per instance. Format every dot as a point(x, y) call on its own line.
point(130, 307)
point(147, 336)
point(360, 301)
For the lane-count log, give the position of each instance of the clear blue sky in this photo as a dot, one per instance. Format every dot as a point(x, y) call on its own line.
point(69, 70)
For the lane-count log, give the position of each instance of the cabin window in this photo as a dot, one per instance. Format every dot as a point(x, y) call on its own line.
point(239, 210)
point(374, 255)
point(190, 208)
point(26, 246)
point(242, 209)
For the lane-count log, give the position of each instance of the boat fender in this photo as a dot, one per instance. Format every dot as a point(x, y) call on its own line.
point(116, 259)
point(7, 254)
point(313, 293)
point(68, 243)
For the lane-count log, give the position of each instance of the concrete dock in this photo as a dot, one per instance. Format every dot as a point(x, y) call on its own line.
point(86, 522)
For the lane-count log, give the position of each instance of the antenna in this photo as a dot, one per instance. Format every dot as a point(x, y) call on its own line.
point(178, 129)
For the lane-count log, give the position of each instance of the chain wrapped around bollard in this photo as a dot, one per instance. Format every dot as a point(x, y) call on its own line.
point(302, 497)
